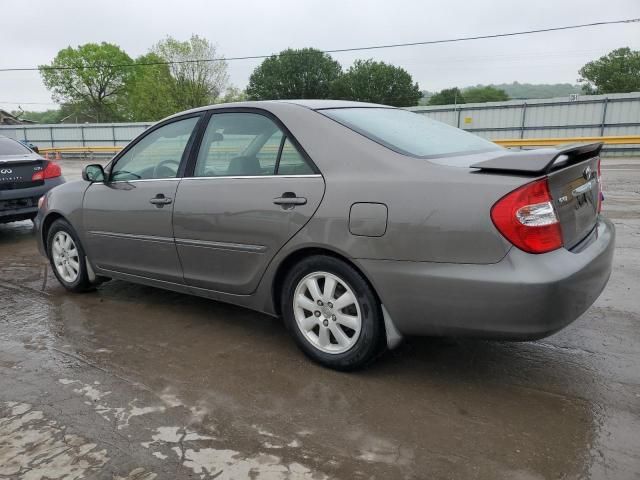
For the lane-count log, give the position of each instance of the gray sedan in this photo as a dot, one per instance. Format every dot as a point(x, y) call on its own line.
point(357, 223)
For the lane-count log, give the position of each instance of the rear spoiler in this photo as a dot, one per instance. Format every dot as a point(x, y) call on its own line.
point(540, 161)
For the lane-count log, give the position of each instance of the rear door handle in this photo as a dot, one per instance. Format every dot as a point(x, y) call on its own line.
point(160, 200)
point(290, 199)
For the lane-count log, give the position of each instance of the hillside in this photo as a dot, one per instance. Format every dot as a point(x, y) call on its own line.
point(517, 90)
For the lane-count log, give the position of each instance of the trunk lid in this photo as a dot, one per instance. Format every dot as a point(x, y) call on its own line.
point(575, 190)
point(17, 172)
point(572, 173)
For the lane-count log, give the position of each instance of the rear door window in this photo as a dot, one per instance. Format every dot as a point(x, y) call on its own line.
point(238, 144)
point(292, 162)
point(247, 145)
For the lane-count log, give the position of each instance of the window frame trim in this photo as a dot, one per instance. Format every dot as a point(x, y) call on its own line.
point(163, 123)
point(190, 166)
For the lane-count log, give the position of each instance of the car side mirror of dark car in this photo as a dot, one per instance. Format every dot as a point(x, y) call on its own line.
point(93, 173)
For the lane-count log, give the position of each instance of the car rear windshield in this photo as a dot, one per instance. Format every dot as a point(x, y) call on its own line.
point(410, 133)
point(11, 147)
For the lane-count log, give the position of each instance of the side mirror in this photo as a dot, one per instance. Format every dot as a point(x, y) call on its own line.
point(93, 173)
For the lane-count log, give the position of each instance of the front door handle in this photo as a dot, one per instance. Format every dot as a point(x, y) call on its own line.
point(160, 200)
point(290, 199)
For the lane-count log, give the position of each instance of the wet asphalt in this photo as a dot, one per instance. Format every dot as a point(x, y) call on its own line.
point(132, 382)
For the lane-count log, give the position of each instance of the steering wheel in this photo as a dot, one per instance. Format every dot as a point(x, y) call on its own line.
point(168, 171)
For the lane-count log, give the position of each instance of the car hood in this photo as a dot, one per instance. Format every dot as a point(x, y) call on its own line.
point(20, 158)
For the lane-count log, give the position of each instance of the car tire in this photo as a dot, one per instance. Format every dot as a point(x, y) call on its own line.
point(333, 313)
point(67, 257)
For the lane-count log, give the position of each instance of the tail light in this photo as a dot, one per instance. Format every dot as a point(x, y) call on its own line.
point(51, 170)
point(526, 217)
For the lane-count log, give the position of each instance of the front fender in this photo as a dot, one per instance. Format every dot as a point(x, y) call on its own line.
point(62, 201)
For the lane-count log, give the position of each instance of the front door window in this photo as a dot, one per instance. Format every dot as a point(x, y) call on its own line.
point(157, 155)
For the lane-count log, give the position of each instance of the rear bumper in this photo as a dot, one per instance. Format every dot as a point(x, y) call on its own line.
point(22, 203)
point(522, 297)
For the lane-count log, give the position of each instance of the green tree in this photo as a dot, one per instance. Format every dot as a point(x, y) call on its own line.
point(196, 83)
point(539, 90)
point(377, 82)
point(305, 73)
point(47, 116)
point(100, 92)
point(232, 95)
point(150, 94)
point(448, 96)
point(616, 72)
point(484, 94)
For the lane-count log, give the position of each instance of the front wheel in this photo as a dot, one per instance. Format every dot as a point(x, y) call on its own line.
point(333, 313)
point(67, 257)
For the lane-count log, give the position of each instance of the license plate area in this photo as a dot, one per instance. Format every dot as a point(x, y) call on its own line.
point(575, 193)
point(18, 203)
point(14, 175)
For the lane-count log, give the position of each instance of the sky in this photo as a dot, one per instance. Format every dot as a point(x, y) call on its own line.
point(33, 31)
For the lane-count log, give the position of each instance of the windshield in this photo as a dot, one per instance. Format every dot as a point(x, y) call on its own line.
point(11, 147)
point(409, 133)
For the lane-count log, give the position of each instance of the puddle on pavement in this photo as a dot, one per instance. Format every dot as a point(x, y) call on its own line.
point(145, 378)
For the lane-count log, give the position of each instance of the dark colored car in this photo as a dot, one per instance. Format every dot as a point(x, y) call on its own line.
point(24, 177)
point(358, 223)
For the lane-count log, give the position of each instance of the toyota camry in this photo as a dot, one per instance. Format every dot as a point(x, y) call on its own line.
point(357, 223)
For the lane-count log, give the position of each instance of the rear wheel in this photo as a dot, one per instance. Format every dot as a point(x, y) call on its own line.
point(67, 257)
point(333, 313)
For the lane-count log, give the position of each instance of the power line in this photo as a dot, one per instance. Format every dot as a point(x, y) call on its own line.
point(28, 103)
point(337, 50)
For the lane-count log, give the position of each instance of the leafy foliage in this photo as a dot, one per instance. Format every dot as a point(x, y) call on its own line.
point(484, 94)
point(305, 73)
point(616, 72)
point(541, 90)
point(196, 83)
point(377, 82)
point(150, 92)
point(48, 116)
point(97, 92)
point(232, 95)
point(448, 96)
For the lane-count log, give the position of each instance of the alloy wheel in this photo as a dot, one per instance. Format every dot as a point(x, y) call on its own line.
point(327, 312)
point(65, 256)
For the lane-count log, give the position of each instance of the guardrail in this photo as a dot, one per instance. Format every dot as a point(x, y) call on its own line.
point(88, 151)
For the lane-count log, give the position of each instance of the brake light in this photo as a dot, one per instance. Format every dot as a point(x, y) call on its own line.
point(526, 217)
point(51, 170)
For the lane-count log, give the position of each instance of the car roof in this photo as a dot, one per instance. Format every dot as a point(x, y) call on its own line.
point(310, 104)
point(323, 104)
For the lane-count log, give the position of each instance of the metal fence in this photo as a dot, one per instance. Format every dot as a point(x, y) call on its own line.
point(75, 135)
point(585, 116)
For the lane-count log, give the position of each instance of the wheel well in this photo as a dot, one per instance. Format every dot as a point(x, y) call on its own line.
point(294, 258)
point(46, 225)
